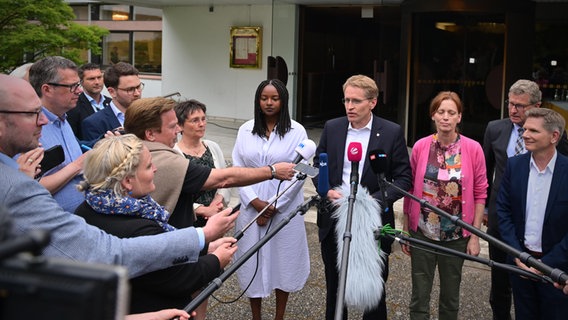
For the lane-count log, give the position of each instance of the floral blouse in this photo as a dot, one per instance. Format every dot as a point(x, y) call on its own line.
point(443, 189)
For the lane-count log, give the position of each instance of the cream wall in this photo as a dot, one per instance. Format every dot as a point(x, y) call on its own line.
point(195, 48)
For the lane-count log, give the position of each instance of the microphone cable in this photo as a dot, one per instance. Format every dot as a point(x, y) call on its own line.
point(257, 259)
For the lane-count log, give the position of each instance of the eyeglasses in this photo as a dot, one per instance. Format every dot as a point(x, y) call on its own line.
point(517, 106)
point(197, 120)
point(72, 87)
point(353, 101)
point(37, 113)
point(131, 90)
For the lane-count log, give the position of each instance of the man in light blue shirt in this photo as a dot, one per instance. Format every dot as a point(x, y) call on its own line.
point(56, 81)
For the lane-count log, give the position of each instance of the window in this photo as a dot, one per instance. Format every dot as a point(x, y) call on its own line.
point(147, 14)
point(148, 52)
point(140, 44)
point(116, 48)
point(81, 12)
point(147, 48)
point(115, 12)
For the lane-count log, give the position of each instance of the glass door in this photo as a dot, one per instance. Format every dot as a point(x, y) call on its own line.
point(461, 53)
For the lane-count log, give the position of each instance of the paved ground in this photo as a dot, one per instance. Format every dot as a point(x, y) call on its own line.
point(309, 303)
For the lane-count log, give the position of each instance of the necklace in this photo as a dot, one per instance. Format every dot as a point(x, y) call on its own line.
point(195, 151)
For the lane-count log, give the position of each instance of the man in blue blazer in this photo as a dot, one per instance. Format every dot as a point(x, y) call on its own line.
point(532, 207)
point(499, 145)
point(360, 125)
point(124, 86)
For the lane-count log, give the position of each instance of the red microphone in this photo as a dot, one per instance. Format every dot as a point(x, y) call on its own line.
point(354, 154)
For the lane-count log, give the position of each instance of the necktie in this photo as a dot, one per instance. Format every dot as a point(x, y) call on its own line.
point(519, 146)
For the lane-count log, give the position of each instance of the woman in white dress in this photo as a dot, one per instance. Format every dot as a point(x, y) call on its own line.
point(282, 264)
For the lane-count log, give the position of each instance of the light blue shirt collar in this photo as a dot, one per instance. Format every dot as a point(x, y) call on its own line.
point(8, 161)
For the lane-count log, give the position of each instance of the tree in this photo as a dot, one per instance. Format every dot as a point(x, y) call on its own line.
point(32, 29)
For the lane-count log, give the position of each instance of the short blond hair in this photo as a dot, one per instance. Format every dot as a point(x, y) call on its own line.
point(552, 120)
point(363, 82)
point(111, 160)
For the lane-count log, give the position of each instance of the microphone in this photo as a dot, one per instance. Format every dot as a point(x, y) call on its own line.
point(379, 163)
point(354, 155)
point(323, 177)
point(305, 150)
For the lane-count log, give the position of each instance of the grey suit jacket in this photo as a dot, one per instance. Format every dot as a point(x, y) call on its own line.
point(31, 207)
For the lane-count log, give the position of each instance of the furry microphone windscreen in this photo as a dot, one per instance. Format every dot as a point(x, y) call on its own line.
point(365, 285)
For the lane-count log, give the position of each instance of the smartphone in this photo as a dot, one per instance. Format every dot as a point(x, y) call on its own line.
point(235, 209)
point(119, 130)
point(52, 157)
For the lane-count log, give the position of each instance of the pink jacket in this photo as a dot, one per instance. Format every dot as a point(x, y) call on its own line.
point(473, 175)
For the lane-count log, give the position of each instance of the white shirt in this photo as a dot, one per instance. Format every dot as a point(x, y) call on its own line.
point(97, 106)
point(356, 135)
point(537, 198)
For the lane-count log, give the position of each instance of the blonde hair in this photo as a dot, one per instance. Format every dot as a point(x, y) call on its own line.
point(363, 82)
point(111, 160)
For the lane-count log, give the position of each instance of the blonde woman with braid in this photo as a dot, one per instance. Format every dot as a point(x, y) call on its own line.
point(119, 176)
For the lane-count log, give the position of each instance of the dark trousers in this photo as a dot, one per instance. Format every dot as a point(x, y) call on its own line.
point(537, 300)
point(500, 295)
point(329, 257)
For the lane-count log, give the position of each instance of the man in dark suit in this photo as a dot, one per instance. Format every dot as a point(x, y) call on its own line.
point(531, 206)
point(91, 100)
point(124, 86)
point(498, 145)
point(360, 125)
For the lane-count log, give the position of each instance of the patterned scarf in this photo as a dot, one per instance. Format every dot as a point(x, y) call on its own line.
point(106, 202)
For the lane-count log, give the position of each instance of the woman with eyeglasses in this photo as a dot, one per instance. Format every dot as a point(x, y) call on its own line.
point(192, 119)
point(118, 180)
point(448, 171)
point(282, 265)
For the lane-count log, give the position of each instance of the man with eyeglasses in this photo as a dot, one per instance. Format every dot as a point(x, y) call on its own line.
point(91, 100)
point(31, 207)
point(503, 139)
point(56, 82)
point(360, 95)
point(124, 86)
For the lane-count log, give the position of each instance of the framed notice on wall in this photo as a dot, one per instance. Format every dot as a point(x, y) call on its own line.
point(246, 47)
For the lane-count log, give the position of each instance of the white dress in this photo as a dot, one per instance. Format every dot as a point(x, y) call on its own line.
point(283, 262)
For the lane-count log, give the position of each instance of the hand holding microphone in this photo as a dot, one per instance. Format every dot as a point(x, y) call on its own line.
point(284, 170)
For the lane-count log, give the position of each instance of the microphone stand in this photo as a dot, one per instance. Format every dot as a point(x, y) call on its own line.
point(217, 282)
point(402, 239)
point(239, 234)
point(556, 275)
point(345, 253)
